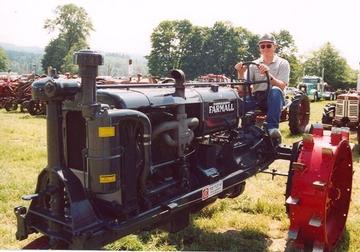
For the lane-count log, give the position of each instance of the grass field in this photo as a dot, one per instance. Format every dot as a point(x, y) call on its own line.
point(254, 221)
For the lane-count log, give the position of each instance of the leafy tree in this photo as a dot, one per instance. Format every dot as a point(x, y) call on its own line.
point(202, 50)
point(199, 50)
point(54, 54)
point(173, 42)
point(221, 49)
point(74, 26)
point(296, 69)
point(3, 60)
point(248, 50)
point(68, 65)
point(159, 58)
point(336, 71)
point(192, 61)
point(285, 43)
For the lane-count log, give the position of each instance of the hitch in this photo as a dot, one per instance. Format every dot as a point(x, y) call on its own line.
point(274, 172)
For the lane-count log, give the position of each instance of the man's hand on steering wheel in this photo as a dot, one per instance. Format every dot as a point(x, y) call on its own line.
point(242, 67)
point(263, 69)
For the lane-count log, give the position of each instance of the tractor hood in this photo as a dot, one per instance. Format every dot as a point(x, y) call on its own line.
point(157, 97)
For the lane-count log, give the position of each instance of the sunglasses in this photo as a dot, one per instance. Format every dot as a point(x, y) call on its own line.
point(267, 46)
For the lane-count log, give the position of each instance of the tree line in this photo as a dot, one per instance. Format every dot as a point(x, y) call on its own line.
point(197, 50)
point(200, 50)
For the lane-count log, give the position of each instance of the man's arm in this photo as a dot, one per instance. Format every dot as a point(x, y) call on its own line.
point(281, 80)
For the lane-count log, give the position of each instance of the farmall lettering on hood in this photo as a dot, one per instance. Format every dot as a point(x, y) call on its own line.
point(221, 107)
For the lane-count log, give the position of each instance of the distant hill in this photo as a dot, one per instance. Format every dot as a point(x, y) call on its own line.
point(25, 59)
point(24, 62)
point(28, 49)
point(117, 64)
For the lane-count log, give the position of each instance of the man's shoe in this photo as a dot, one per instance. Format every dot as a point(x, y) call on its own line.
point(275, 135)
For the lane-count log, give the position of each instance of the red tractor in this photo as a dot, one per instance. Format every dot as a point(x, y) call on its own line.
point(124, 158)
point(345, 112)
point(15, 93)
point(213, 78)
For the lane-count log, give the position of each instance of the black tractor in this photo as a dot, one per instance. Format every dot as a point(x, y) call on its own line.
point(123, 158)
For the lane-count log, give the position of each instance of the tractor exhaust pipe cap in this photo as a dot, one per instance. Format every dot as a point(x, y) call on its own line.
point(88, 58)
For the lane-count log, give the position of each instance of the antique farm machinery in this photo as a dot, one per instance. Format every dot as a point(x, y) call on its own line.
point(122, 158)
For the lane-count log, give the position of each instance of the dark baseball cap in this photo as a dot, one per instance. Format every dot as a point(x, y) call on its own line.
point(267, 38)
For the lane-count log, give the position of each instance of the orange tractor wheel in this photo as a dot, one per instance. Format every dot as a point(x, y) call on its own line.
point(319, 197)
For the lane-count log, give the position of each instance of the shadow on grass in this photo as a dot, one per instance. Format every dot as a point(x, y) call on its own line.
point(342, 246)
point(28, 116)
point(196, 239)
point(24, 115)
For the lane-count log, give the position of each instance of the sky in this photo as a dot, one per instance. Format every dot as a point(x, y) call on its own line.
point(125, 26)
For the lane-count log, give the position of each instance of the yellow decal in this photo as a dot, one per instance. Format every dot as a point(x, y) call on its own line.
point(106, 131)
point(110, 178)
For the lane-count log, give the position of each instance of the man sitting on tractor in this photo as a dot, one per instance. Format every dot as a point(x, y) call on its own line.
point(279, 74)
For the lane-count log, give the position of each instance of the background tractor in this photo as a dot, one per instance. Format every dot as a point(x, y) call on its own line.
point(124, 158)
point(345, 112)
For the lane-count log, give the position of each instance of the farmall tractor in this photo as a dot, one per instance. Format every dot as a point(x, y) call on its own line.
point(122, 158)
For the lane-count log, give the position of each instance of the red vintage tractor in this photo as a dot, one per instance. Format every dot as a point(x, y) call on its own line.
point(17, 93)
point(345, 112)
point(122, 158)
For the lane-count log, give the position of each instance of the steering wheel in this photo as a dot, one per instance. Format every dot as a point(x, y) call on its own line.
point(249, 99)
point(248, 82)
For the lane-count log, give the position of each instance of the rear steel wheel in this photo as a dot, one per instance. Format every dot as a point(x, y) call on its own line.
point(321, 188)
point(299, 114)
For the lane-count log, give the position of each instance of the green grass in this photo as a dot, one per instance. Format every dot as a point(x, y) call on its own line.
point(254, 221)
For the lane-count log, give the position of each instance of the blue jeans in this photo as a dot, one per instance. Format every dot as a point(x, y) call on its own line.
point(272, 104)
